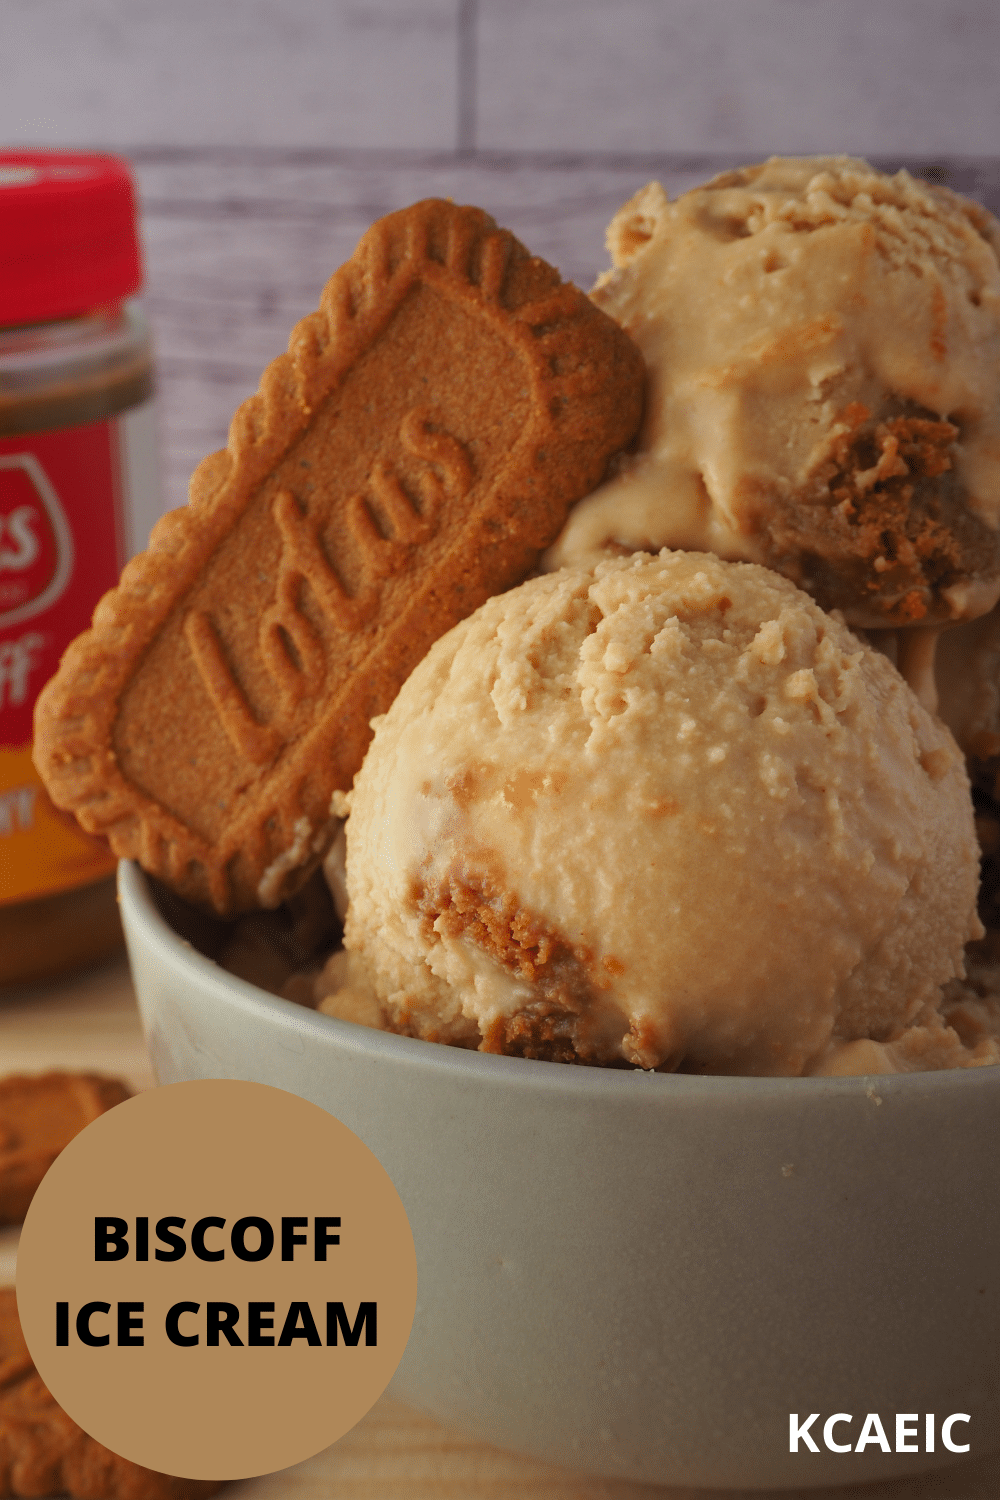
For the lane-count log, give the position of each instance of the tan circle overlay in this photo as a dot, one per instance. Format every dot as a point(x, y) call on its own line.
point(227, 1150)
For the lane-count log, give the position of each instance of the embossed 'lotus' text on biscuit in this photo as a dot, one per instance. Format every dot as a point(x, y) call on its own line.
point(327, 473)
point(297, 651)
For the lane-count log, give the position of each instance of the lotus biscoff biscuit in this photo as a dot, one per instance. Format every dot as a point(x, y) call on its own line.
point(38, 1117)
point(409, 457)
point(44, 1452)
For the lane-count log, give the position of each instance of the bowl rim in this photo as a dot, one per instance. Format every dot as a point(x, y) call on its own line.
point(171, 949)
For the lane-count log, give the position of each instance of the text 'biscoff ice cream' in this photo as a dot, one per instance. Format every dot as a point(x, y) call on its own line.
point(823, 344)
point(664, 813)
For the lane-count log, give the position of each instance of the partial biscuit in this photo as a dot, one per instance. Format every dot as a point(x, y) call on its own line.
point(44, 1452)
point(38, 1117)
point(411, 455)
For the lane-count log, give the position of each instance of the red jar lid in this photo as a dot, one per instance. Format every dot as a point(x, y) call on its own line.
point(68, 237)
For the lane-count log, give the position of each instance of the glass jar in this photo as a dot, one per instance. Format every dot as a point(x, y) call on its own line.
point(78, 495)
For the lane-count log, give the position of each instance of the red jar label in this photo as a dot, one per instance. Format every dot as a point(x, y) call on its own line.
point(63, 515)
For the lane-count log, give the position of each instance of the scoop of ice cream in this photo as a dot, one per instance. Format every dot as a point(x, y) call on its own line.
point(664, 813)
point(823, 342)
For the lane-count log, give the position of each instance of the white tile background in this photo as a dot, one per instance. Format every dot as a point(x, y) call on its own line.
point(744, 76)
point(230, 72)
point(750, 76)
point(267, 134)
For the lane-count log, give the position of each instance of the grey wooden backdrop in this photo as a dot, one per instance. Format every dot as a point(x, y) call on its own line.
point(267, 134)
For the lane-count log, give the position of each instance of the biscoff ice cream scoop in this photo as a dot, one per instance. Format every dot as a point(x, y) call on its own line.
point(823, 345)
point(663, 813)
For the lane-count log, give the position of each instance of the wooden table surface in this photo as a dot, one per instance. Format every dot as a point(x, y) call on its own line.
point(91, 1022)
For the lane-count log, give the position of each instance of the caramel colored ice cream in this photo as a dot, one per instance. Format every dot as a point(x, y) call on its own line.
point(664, 813)
point(823, 342)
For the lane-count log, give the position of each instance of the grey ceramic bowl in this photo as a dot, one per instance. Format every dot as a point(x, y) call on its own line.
point(643, 1275)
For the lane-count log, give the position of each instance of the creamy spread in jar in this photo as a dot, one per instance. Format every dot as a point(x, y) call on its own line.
point(78, 493)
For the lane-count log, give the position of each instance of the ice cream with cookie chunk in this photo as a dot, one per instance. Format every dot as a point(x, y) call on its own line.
point(823, 342)
point(665, 813)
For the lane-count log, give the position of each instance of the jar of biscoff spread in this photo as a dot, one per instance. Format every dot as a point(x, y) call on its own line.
point(78, 495)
